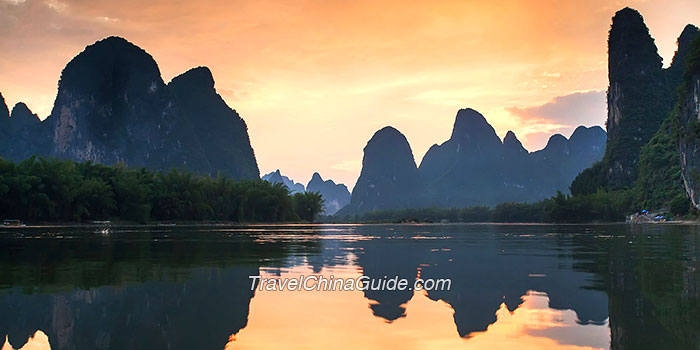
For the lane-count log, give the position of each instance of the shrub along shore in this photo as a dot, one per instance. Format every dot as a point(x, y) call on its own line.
point(61, 191)
point(54, 190)
point(601, 206)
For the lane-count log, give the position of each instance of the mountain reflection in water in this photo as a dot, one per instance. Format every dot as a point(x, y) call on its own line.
point(530, 286)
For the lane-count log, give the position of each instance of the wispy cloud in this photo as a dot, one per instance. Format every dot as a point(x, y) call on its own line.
point(56, 5)
point(560, 115)
point(568, 110)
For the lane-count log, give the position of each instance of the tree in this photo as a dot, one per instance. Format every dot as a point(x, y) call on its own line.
point(308, 205)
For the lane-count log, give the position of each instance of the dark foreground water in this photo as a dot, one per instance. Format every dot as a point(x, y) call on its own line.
point(512, 287)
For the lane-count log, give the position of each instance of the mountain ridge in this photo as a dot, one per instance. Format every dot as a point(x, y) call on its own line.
point(473, 167)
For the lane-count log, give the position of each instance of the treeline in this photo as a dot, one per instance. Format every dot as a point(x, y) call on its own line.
point(601, 206)
point(40, 189)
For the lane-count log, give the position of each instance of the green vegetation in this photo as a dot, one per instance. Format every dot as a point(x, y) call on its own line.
point(40, 189)
point(600, 206)
point(589, 181)
point(469, 214)
point(659, 185)
point(659, 180)
point(307, 205)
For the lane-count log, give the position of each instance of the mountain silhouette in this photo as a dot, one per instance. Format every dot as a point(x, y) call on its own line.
point(389, 177)
point(335, 196)
point(277, 177)
point(113, 107)
point(473, 167)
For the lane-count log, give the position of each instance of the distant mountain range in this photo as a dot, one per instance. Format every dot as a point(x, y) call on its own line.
point(473, 167)
point(277, 177)
point(113, 107)
point(335, 196)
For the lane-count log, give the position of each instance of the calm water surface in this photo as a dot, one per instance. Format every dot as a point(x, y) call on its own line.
point(513, 287)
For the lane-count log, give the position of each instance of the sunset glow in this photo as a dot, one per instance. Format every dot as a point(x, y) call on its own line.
point(315, 79)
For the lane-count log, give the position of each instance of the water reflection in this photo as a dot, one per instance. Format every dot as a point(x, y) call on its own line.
point(39, 341)
point(534, 286)
point(339, 320)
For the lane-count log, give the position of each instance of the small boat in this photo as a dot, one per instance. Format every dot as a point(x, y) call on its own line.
point(12, 222)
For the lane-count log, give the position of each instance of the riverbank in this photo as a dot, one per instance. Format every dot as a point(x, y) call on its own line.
point(122, 224)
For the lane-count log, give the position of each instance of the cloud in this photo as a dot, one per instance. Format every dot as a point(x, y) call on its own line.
point(57, 5)
point(581, 108)
point(348, 165)
point(560, 115)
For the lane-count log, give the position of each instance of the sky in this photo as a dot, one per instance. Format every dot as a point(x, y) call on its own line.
point(314, 79)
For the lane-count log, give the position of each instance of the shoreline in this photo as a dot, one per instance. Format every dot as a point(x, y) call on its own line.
point(320, 224)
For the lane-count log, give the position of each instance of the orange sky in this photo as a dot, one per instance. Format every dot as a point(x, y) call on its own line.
point(314, 79)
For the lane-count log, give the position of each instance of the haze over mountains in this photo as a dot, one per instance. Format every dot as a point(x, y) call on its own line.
point(335, 196)
point(277, 177)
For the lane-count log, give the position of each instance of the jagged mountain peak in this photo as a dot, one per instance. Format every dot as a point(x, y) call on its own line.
point(4, 111)
point(628, 13)
point(21, 115)
point(386, 139)
point(510, 135)
point(629, 20)
point(388, 170)
point(198, 77)
point(586, 133)
point(335, 196)
point(221, 131)
point(277, 177)
point(631, 49)
point(675, 70)
point(111, 63)
point(389, 131)
point(511, 142)
point(470, 116)
point(470, 123)
point(557, 141)
point(21, 108)
point(688, 34)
